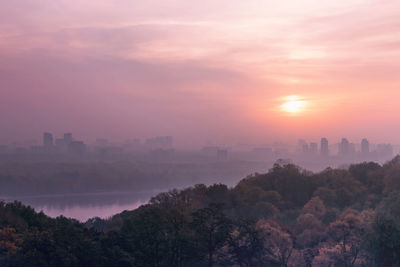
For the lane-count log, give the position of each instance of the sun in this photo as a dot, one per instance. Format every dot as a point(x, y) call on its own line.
point(293, 105)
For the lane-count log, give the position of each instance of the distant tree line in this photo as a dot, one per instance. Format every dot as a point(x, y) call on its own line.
point(286, 217)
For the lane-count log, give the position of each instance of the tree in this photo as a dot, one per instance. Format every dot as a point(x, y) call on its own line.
point(369, 174)
point(309, 231)
point(278, 243)
point(383, 241)
point(180, 237)
point(10, 243)
point(315, 207)
point(348, 233)
point(143, 235)
point(212, 229)
point(246, 244)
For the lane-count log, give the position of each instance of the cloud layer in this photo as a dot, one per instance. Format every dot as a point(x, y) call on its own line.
point(209, 70)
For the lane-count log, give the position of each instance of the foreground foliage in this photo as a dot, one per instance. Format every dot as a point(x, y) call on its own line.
point(286, 217)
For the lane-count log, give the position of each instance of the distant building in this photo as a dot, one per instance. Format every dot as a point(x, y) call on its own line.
point(305, 148)
point(109, 150)
point(262, 151)
point(133, 145)
point(215, 152)
point(324, 148)
point(62, 144)
point(36, 149)
point(159, 142)
point(352, 149)
point(134, 142)
point(47, 140)
point(385, 151)
point(101, 142)
point(162, 153)
point(20, 150)
point(302, 145)
point(313, 148)
point(76, 147)
point(344, 147)
point(210, 151)
point(364, 147)
point(281, 152)
point(68, 138)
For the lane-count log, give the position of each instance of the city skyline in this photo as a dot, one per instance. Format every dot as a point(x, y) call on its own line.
point(323, 148)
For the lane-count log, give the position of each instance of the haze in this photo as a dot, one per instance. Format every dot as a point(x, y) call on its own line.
point(203, 72)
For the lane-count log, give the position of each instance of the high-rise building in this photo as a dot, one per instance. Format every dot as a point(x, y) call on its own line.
point(47, 140)
point(305, 148)
point(68, 138)
point(301, 143)
point(344, 147)
point(324, 148)
point(364, 147)
point(313, 148)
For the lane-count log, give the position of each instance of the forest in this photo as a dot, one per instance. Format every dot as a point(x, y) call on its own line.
point(286, 217)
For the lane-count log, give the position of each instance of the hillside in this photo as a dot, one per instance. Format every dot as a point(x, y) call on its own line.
point(285, 217)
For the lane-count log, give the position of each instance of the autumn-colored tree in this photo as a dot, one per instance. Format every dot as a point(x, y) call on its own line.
point(9, 244)
point(246, 245)
point(278, 243)
point(348, 233)
point(315, 207)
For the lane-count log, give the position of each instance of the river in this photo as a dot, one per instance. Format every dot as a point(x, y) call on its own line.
point(85, 206)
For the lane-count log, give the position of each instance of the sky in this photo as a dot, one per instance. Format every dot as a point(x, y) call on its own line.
point(205, 72)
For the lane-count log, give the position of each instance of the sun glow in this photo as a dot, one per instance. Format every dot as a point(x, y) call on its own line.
point(293, 105)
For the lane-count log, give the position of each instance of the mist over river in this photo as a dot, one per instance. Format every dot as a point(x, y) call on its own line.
point(85, 206)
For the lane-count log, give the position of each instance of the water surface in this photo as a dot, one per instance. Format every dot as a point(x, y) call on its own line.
point(85, 206)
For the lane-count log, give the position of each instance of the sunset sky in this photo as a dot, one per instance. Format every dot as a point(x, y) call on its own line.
point(211, 71)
